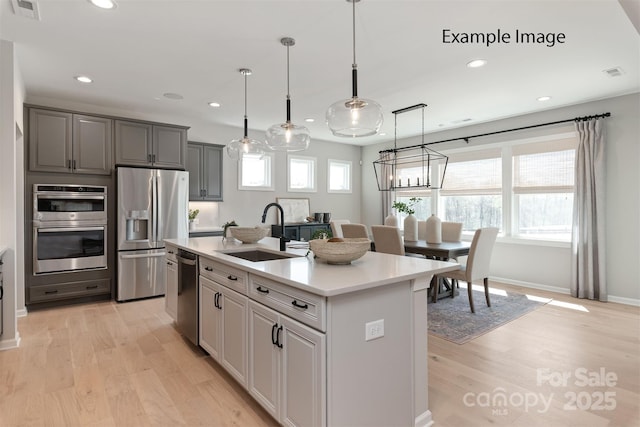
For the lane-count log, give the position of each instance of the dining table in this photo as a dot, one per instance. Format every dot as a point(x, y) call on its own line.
point(444, 251)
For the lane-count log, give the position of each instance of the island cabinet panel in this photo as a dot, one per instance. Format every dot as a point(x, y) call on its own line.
point(69, 143)
point(171, 294)
point(223, 327)
point(287, 367)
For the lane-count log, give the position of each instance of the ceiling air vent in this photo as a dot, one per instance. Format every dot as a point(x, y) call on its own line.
point(614, 72)
point(26, 8)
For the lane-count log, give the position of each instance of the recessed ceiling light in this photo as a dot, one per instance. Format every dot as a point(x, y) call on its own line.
point(309, 120)
point(214, 104)
point(104, 4)
point(476, 63)
point(83, 79)
point(171, 95)
point(544, 98)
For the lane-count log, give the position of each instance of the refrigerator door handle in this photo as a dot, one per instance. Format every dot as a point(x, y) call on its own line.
point(158, 254)
point(154, 208)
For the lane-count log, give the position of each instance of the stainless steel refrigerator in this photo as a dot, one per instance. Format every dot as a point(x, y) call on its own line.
point(152, 206)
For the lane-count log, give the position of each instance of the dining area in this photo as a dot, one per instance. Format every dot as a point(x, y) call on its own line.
point(433, 239)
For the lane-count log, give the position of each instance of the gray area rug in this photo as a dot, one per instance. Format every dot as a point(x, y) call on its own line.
point(451, 318)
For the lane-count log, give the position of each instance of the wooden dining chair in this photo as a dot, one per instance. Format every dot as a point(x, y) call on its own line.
point(387, 239)
point(354, 230)
point(477, 266)
point(336, 226)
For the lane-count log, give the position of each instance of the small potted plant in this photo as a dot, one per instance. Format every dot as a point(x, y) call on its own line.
point(226, 226)
point(193, 213)
point(410, 222)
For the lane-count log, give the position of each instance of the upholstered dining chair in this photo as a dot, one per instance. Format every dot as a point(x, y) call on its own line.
point(477, 266)
point(387, 239)
point(336, 227)
point(354, 230)
point(451, 231)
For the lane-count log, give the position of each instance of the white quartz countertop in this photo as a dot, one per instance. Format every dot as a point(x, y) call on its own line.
point(314, 275)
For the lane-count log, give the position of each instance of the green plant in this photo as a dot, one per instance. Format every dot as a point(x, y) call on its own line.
point(321, 234)
point(193, 213)
point(406, 208)
point(226, 225)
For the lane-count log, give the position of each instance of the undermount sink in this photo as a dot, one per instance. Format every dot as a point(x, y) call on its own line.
point(256, 255)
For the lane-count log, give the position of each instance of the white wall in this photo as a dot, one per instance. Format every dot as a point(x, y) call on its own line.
point(10, 208)
point(548, 266)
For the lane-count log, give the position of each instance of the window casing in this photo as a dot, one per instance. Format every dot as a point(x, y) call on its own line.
point(339, 176)
point(302, 174)
point(256, 172)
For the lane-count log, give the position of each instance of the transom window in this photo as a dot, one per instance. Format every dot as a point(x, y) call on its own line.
point(256, 172)
point(339, 176)
point(302, 174)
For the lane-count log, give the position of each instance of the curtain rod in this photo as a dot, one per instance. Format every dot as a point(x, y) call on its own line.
point(466, 138)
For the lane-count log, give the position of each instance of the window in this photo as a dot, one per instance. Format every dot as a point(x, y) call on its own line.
point(422, 208)
point(255, 172)
point(302, 174)
point(525, 188)
point(339, 180)
point(543, 182)
point(472, 193)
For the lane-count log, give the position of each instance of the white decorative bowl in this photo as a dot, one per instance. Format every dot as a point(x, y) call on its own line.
point(340, 252)
point(249, 234)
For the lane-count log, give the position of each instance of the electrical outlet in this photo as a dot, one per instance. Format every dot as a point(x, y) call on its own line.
point(373, 330)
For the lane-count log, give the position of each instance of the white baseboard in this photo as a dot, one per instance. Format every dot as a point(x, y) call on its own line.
point(564, 291)
point(21, 312)
point(8, 344)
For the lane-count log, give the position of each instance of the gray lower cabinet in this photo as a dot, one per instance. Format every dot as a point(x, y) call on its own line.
point(303, 232)
point(150, 145)
point(69, 143)
point(286, 367)
point(68, 290)
point(204, 163)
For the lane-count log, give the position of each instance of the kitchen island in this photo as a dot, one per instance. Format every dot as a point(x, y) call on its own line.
point(318, 344)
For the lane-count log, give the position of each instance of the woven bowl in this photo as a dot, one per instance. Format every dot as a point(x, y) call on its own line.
point(249, 234)
point(340, 252)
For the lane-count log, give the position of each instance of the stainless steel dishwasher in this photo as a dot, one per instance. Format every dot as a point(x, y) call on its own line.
point(188, 295)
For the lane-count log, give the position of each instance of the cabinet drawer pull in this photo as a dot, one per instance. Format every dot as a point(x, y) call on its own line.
point(55, 291)
point(92, 287)
point(232, 277)
point(208, 269)
point(1, 291)
point(262, 290)
point(296, 304)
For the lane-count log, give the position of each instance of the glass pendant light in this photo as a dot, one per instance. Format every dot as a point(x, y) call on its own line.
point(287, 136)
point(246, 145)
point(354, 117)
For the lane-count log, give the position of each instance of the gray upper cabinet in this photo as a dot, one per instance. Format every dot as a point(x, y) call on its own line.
point(204, 163)
point(145, 144)
point(70, 143)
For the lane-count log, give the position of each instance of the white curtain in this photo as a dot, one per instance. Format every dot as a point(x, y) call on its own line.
point(387, 170)
point(587, 237)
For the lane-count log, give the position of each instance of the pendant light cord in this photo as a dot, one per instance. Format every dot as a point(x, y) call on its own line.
point(288, 95)
point(354, 66)
point(246, 120)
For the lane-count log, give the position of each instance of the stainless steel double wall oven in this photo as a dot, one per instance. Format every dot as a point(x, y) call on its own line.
point(69, 228)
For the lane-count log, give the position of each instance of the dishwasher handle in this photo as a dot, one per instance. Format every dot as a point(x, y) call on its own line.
point(186, 261)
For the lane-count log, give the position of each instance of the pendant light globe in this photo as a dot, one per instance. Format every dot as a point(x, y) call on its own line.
point(236, 148)
point(288, 136)
point(354, 117)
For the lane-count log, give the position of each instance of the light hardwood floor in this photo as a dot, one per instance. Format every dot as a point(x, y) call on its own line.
point(109, 364)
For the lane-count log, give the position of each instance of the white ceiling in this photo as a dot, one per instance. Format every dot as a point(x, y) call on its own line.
point(145, 48)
